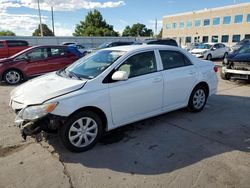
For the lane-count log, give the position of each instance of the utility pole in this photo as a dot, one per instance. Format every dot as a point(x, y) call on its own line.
point(156, 25)
point(52, 16)
point(41, 27)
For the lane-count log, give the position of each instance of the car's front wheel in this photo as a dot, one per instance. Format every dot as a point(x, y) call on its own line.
point(224, 76)
point(209, 57)
point(198, 99)
point(81, 131)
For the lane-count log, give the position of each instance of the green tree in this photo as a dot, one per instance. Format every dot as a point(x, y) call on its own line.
point(46, 31)
point(94, 25)
point(137, 30)
point(7, 33)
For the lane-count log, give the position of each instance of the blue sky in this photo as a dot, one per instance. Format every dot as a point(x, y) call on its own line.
point(21, 16)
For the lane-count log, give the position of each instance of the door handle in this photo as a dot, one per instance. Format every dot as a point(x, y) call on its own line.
point(156, 80)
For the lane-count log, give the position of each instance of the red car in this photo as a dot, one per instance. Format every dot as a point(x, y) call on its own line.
point(35, 61)
point(11, 47)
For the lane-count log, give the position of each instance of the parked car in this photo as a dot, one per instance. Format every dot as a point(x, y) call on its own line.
point(237, 64)
point(191, 46)
point(210, 51)
point(111, 88)
point(35, 61)
point(80, 47)
point(11, 47)
point(113, 44)
point(166, 41)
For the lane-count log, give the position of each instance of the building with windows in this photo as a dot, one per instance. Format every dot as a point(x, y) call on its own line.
point(228, 25)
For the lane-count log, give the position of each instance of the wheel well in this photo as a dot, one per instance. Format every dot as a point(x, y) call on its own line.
point(205, 85)
point(97, 111)
point(22, 75)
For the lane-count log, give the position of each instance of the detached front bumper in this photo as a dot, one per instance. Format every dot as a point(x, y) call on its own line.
point(238, 74)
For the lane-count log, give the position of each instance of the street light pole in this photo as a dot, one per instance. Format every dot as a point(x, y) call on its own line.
point(41, 27)
point(52, 15)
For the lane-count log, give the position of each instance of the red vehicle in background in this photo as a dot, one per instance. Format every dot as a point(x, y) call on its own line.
point(35, 61)
point(11, 47)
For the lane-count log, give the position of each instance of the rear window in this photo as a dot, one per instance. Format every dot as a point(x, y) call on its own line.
point(17, 43)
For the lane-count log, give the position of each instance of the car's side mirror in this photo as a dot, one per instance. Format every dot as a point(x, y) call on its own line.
point(213, 48)
point(120, 76)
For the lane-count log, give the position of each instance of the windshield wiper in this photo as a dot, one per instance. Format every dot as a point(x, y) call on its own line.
point(72, 74)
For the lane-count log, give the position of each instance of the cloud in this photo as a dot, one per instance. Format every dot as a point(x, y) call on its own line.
point(124, 22)
point(60, 5)
point(21, 24)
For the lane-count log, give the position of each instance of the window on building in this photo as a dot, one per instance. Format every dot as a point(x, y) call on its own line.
point(224, 38)
point(238, 19)
point(206, 22)
point(205, 39)
point(227, 20)
point(216, 21)
point(215, 38)
point(248, 18)
point(188, 39)
point(247, 36)
point(174, 25)
point(236, 38)
point(168, 26)
point(182, 25)
point(189, 24)
point(197, 23)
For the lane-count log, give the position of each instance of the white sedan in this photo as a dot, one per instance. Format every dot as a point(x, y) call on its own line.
point(210, 51)
point(111, 88)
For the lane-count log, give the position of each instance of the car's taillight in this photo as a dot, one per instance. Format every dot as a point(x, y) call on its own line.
point(215, 69)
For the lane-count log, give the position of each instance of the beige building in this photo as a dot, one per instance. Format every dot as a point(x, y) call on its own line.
point(228, 25)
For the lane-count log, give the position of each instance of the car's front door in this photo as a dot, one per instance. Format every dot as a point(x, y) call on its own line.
point(37, 61)
point(179, 75)
point(141, 95)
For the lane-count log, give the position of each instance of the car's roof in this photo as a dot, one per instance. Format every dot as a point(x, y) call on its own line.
point(128, 48)
point(211, 43)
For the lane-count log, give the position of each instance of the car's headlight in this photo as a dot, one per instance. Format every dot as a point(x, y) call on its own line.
point(35, 112)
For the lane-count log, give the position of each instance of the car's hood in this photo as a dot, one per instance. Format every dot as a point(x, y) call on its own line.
point(5, 60)
point(43, 88)
point(198, 50)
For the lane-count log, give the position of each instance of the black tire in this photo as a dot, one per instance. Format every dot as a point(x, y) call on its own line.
point(17, 77)
point(209, 57)
point(224, 76)
point(67, 129)
point(194, 107)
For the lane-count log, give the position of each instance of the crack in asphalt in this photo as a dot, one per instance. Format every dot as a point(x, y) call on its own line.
point(65, 171)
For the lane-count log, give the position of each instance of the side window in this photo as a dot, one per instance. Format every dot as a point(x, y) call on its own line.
point(37, 54)
point(139, 64)
point(54, 52)
point(216, 46)
point(173, 59)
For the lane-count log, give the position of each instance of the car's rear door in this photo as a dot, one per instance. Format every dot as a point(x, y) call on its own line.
point(141, 95)
point(3, 50)
point(179, 75)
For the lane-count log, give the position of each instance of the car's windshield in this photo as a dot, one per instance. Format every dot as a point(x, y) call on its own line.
point(94, 64)
point(204, 46)
point(244, 49)
point(104, 45)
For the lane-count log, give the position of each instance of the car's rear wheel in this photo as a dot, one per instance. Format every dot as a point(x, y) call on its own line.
point(209, 57)
point(81, 131)
point(12, 77)
point(198, 99)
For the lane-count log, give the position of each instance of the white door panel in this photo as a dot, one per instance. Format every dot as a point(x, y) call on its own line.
point(178, 83)
point(135, 97)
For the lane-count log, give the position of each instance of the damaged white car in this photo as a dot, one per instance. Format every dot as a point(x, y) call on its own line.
point(111, 88)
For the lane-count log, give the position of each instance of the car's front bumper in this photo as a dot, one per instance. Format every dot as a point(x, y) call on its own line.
point(201, 56)
point(238, 74)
